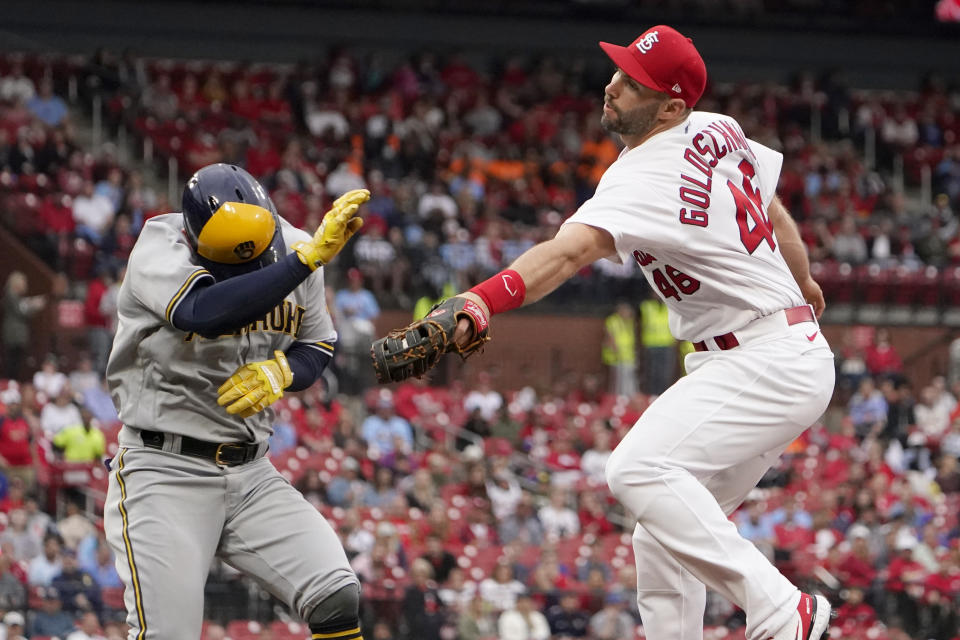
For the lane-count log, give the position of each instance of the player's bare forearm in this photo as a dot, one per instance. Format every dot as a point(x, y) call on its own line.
point(549, 264)
point(795, 254)
point(788, 237)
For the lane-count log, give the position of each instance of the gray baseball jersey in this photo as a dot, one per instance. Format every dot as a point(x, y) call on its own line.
point(166, 380)
point(167, 515)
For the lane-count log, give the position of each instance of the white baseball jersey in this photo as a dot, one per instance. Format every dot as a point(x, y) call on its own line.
point(689, 206)
point(165, 379)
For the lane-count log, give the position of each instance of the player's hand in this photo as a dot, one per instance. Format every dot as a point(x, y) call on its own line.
point(338, 225)
point(463, 336)
point(464, 333)
point(813, 295)
point(255, 386)
point(415, 349)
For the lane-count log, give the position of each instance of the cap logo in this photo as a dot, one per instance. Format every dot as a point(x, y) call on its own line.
point(245, 250)
point(676, 88)
point(646, 43)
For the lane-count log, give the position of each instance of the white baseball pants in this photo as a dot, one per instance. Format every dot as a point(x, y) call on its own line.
point(692, 458)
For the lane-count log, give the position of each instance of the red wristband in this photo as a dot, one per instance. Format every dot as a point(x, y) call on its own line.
point(502, 292)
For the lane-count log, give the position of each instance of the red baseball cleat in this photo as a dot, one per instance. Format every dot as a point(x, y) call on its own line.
point(810, 622)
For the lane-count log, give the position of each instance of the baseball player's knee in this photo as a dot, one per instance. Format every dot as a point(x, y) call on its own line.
point(627, 471)
point(338, 614)
point(613, 471)
point(616, 471)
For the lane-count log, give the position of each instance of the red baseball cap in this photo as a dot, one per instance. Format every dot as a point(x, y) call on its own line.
point(664, 60)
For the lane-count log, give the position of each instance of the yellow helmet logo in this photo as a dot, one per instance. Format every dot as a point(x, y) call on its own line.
point(238, 232)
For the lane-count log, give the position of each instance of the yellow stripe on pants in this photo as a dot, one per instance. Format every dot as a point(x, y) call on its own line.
point(134, 578)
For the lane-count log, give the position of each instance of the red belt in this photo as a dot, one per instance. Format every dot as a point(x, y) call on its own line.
point(795, 315)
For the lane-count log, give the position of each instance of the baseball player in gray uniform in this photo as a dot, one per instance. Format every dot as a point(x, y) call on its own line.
point(216, 319)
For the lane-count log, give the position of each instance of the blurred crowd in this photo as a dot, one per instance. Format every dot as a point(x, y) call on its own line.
point(470, 160)
point(467, 509)
point(476, 512)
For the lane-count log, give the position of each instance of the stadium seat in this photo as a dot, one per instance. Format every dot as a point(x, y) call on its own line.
point(873, 284)
point(951, 286)
point(113, 598)
point(289, 630)
point(243, 629)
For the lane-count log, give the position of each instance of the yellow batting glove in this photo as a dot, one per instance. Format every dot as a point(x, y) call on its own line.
point(337, 227)
point(255, 386)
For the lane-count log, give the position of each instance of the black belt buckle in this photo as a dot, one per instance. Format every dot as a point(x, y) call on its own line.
point(240, 458)
point(152, 439)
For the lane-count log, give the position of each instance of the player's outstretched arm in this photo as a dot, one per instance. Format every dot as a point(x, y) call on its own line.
point(795, 254)
point(541, 269)
point(549, 264)
point(461, 323)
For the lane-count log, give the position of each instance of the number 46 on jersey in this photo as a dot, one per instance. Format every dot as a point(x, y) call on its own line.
point(752, 220)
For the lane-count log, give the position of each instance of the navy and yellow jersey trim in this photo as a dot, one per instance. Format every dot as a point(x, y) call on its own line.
point(349, 634)
point(323, 347)
point(134, 575)
point(182, 291)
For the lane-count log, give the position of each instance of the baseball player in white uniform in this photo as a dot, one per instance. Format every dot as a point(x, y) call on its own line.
point(216, 319)
point(692, 201)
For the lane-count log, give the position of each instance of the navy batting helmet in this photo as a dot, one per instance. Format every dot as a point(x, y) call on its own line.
point(231, 223)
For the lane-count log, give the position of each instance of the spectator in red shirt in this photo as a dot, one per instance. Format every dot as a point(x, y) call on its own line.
point(791, 535)
point(854, 613)
point(56, 219)
point(881, 357)
point(275, 109)
point(312, 431)
point(189, 97)
point(856, 568)
point(438, 523)
point(202, 149)
point(14, 498)
point(98, 325)
point(415, 398)
point(478, 528)
point(593, 516)
point(947, 578)
point(905, 579)
point(563, 461)
point(263, 159)
point(243, 102)
point(18, 453)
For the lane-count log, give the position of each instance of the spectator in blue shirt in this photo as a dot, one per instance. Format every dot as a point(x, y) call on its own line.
point(98, 402)
point(868, 408)
point(50, 619)
point(97, 559)
point(355, 301)
point(348, 487)
point(47, 107)
point(756, 527)
point(790, 512)
point(284, 435)
point(384, 427)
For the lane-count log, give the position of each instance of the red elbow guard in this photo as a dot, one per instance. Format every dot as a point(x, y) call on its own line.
point(502, 292)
